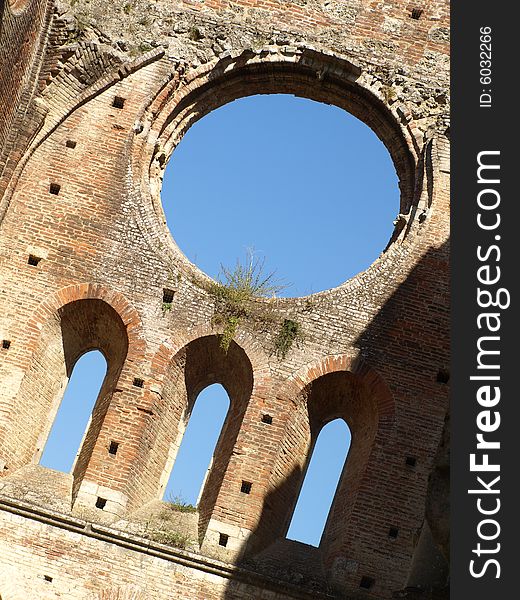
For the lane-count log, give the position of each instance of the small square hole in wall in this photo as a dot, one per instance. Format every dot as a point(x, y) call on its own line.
point(70, 144)
point(54, 188)
point(393, 532)
point(33, 260)
point(6, 344)
point(138, 382)
point(167, 296)
point(101, 502)
point(267, 419)
point(411, 461)
point(443, 376)
point(417, 13)
point(48, 578)
point(246, 486)
point(366, 583)
point(223, 539)
point(118, 102)
point(112, 449)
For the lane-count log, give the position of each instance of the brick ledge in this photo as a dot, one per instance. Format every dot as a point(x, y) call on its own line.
point(145, 546)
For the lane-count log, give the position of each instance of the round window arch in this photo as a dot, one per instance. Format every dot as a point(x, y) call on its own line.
point(302, 73)
point(300, 188)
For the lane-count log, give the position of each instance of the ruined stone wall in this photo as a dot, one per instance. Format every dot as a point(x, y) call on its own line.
point(24, 25)
point(99, 99)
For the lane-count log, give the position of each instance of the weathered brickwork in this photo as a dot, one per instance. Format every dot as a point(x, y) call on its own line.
point(94, 97)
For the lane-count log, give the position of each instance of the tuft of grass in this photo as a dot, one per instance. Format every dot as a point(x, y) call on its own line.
point(170, 538)
point(235, 290)
point(179, 504)
point(144, 47)
point(246, 281)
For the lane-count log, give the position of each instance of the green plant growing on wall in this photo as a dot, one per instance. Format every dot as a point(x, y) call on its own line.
point(230, 329)
point(194, 34)
point(289, 332)
point(235, 291)
point(144, 47)
point(166, 307)
point(170, 538)
point(159, 531)
point(179, 504)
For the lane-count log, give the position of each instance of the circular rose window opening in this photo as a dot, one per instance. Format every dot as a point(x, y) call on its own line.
point(304, 187)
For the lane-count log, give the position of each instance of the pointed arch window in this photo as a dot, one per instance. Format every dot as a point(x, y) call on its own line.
point(194, 457)
point(324, 471)
point(74, 412)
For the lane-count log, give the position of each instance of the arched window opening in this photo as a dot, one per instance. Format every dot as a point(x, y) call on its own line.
point(287, 172)
point(72, 418)
point(194, 457)
point(320, 483)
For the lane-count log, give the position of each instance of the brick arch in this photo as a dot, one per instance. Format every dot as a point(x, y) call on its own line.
point(335, 386)
point(375, 384)
point(71, 322)
point(180, 339)
point(181, 369)
point(299, 71)
point(128, 314)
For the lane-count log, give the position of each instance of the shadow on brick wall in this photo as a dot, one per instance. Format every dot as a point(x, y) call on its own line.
point(409, 336)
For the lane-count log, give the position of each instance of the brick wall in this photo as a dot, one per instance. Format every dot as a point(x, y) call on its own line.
point(82, 195)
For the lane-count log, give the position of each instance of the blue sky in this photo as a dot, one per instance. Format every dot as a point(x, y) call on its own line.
point(306, 186)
